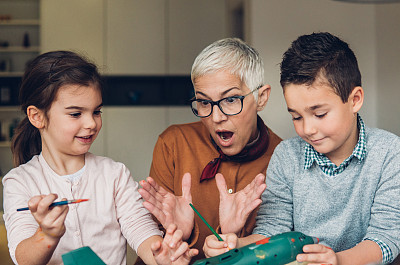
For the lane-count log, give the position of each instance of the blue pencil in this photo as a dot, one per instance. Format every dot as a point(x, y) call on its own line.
point(57, 204)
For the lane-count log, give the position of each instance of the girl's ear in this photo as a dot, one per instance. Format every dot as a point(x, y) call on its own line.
point(36, 117)
point(263, 96)
point(357, 98)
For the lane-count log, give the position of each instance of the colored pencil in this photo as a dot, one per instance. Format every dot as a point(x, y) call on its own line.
point(204, 220)
point(57, 204)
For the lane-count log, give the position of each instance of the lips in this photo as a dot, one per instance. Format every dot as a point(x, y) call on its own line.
point(85, 139)
point(225, 138)
point(317, 141)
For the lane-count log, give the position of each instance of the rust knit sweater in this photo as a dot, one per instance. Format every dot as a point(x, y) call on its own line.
point(188, 148)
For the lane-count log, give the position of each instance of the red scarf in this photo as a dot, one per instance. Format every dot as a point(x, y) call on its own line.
point(249, 153)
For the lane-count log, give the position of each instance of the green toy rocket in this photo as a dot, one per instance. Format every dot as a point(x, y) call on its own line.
point(82, 256)
point(276, 250)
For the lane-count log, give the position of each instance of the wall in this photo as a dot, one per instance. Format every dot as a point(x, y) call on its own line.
point(388, 66)
point(274, 24)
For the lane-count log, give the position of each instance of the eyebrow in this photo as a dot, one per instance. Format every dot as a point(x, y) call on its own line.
point(224, 93)
point(308, 108)
point(81, 108)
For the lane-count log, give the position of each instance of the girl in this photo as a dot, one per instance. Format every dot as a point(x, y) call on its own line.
point(62, 98)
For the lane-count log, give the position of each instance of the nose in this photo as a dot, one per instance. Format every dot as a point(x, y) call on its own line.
point(90, 122)
point(309, 127)
point(217, 114)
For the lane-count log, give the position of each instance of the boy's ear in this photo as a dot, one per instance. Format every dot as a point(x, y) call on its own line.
point(263, 96)
point(357, 98)
point(36, 117)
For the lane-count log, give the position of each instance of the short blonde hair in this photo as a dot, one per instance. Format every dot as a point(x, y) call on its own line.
point(234, 55)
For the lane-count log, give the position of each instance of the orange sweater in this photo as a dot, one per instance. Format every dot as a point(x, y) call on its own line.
point(188, 148)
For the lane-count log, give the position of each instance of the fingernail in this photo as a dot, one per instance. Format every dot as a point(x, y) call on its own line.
point(231, 246)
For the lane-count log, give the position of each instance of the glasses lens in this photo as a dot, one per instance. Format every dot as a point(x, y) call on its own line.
point(201, 108)
point(231, 105)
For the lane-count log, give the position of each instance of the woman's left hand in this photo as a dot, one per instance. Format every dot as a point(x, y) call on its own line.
point(234, 209)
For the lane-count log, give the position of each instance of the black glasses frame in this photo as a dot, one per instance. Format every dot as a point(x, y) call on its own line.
point(213, 103)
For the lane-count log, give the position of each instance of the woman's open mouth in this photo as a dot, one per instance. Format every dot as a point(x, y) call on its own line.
point(225, 136)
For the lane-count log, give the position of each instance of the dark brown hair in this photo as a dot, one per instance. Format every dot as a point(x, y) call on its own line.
point(321, 55)
point(40, 84)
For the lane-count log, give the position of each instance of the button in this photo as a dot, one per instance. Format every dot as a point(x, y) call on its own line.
point(77, 233)
point(230, 191)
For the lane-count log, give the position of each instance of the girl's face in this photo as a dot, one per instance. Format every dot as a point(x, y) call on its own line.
point(74, 121)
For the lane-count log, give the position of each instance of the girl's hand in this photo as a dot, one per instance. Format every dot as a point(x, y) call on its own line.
point(234, 209)
point(168, 208)
point(318, 254)
point(50, 220)
point(172, 250)
point(213, 247)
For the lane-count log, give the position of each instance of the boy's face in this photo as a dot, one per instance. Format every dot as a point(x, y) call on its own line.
point(323, 120)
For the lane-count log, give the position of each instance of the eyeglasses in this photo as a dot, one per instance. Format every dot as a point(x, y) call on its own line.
point(229, 106)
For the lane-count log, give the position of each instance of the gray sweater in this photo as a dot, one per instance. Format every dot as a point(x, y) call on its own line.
point(361, 202)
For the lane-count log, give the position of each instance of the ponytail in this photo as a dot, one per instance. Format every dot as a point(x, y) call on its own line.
point(26, 142)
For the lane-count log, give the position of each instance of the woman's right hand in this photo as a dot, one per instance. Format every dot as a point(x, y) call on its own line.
point(213, 247)
point(50, 220)
point(168, 208)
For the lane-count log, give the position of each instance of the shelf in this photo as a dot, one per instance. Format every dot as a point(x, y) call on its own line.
point(10, 109)
point(5, 143)
point(11, 74)
point(20, 22)
point(20, 49)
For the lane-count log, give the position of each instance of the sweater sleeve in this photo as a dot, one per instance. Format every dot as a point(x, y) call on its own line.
point(385, 211)
point(276, 210)
point(162, 166)
point(136, 222)
point(164, 173)
point(19, 225)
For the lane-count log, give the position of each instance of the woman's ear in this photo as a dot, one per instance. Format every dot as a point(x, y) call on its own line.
point(263, 96)
point(357, 98)
point(36, 117)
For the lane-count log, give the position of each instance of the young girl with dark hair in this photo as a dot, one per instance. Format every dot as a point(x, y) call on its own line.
point(61, 96)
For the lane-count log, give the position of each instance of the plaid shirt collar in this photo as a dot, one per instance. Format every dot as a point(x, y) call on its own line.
point(329, 168)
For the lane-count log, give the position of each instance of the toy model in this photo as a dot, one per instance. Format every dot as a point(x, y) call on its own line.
point(276, 250)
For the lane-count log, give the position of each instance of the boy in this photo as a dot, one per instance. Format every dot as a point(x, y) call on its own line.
point(340, 180)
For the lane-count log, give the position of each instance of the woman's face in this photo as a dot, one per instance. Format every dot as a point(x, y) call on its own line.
point(230, 133)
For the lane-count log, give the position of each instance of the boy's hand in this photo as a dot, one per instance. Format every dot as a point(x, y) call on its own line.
point(212, 247)
point(172, 250)
point(50, 220)
point(318, 254)
point(168, 208)
point(234, 209)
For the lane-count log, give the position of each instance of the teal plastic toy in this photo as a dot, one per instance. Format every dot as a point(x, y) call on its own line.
point(276, 250)
point(82, 256)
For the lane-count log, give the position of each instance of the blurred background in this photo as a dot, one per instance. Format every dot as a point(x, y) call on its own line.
point(145, 49)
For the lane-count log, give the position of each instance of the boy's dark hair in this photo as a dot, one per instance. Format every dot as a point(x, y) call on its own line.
point(321, 55)
point(40, 84)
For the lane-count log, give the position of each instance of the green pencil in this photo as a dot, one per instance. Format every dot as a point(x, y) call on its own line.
point(209, 226)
